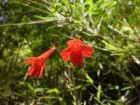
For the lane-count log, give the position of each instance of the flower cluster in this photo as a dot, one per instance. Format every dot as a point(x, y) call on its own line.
point(75, 51)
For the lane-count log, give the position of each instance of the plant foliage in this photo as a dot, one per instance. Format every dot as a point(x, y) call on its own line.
point(30, 27)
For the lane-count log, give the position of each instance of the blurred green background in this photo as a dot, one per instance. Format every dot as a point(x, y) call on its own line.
point(30, 27)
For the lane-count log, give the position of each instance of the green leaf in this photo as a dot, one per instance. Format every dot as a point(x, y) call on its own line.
point(40, 89)
point(30, 86)
point(60, 99)
point(45, 18)
point(99, 92)
point(78, 87)
point(111, 47)
point(55, 90)
point(127, 88)
point(108, 4)
point(89, 79)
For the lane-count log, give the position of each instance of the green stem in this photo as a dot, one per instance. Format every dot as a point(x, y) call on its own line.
point(74, 86)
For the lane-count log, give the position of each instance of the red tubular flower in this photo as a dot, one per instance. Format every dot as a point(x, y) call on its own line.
point(75, 51)
point(38, 63)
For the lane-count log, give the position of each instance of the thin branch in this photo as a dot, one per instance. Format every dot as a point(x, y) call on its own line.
point(29, 23)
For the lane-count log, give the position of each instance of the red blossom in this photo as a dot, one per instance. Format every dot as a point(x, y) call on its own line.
point(38, 63)
point(75, 51)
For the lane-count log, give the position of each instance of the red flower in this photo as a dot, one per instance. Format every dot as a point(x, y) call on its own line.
point(75, 51)
point(38, 63)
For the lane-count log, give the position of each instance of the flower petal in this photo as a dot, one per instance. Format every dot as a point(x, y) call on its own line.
point(74, 42)
point(76, 57)
point(40, 71)
point(30, 60)
point(47, 53)
point(30, 71)
point(87, 51)
point(66, 54)
point(36, 68)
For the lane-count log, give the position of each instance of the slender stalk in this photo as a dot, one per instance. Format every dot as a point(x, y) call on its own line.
point(74, 86)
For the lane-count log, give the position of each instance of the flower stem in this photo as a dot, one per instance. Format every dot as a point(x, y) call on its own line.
point(74, 86)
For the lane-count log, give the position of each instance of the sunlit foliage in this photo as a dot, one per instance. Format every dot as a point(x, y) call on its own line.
point(30, 27)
